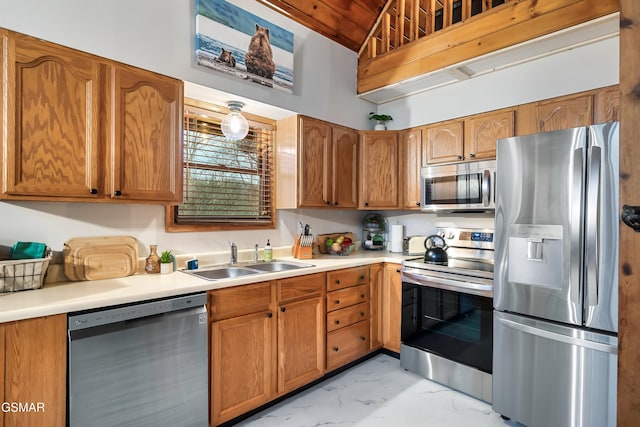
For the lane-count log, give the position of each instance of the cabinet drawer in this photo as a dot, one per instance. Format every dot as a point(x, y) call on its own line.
point(240, 300)
point(347, 277)
point(347, 344)
point(347, 316)
point(347, 297)
point(301, 287)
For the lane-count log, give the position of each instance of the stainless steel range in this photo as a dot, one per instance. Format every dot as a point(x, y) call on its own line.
point(447, 329)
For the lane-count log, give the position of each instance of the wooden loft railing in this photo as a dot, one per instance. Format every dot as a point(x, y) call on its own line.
point(415, 37)
point(405, 21)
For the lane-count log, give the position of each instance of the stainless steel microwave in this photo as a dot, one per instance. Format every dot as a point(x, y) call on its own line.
point(456, 187)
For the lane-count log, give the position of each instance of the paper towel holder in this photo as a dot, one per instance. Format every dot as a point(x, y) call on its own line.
point(374, 232)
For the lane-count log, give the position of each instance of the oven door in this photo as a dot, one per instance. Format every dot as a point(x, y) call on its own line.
point(441, 318)
point(458, 187)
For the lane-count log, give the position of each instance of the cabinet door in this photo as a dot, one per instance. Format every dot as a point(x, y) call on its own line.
point(51, 120)
point(379, 166)
point(314, 171)
point(564, 113)
point(606, 106)
point(391, 307)
point(482, 131)
point(36, 371)
point(444, 142)
point(243, 364)
point(301, 343)
point(147, 130)
point(412, 156)
point(344, 168)
point(375, 306)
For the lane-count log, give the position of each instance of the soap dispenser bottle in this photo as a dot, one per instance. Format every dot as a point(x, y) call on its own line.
point(268, 254)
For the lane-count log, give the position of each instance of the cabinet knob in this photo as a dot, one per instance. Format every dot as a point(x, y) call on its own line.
point(472, 155)
point(335, 349)
point(117, 193)
point(417, 203)
point(459, 157)
point(93, 191)
point(337, 301)
point(335, 203)
point(269, 315)
point(328, 202)
point(337, 322)
point(398, 270)
point(362, 313)
point(362, 295)
point(337, 281)
point(363, 338)
point(362, 277)
point(366, 203)
point(283, 309)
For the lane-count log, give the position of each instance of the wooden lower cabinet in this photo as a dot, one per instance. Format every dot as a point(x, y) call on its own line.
point(243, 368)
point(34, 371)
point(391, 307)
point(347, 344)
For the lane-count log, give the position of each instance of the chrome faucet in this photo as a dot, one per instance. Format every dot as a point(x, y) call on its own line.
point(234, 253)
point(255, 254)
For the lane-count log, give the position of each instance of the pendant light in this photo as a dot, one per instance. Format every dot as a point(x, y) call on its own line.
point(234, 125)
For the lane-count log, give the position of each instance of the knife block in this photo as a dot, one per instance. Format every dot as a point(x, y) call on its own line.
point(301, 252)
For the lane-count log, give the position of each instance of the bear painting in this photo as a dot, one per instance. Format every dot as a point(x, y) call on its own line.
point(227, 57)
point(259, 57)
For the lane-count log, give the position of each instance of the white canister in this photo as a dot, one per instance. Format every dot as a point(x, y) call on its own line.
point(397, 238)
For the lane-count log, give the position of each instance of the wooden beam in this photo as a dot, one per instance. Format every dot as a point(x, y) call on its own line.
point(629, 263)
point(501, 27)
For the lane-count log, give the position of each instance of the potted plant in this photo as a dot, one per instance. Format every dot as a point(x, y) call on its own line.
point(381, 120)
point(166, 262)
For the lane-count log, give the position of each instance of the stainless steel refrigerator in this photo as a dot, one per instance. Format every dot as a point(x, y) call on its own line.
point(556, 278)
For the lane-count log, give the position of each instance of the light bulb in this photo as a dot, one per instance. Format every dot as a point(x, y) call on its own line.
point(234, 125)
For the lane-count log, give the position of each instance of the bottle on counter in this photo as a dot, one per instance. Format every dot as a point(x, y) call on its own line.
point(152, 263)
point(268, 253)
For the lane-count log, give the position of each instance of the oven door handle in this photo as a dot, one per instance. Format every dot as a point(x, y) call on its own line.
point(448, 284)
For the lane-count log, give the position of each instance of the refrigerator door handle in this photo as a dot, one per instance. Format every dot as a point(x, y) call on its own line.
point(576, 219)
point(486, 187)
point(606, 348)
point(592, 238)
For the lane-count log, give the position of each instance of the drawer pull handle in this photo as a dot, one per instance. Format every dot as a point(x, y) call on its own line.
point(283, 309)
point(362, 313)
point(337, 281)
point(269, 315)
point(362, 295)
point(361, 277)
point(337, 301)
point(337, 322)
point(363, 338)
point(335, 349)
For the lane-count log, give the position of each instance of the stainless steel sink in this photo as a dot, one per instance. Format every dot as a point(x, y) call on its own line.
point(278, 266)
point(232, 271)
point(223, 273)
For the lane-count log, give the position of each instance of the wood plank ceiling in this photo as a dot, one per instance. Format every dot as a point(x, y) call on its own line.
point(347, 22)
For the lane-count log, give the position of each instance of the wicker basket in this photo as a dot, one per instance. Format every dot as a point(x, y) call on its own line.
point(20, 275)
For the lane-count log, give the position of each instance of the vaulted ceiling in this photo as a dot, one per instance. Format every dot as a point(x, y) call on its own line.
point(347, 22)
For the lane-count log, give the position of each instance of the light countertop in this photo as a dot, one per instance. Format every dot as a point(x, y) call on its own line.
point(65, 297)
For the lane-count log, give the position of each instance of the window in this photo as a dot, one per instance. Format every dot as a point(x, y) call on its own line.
point(227, 184)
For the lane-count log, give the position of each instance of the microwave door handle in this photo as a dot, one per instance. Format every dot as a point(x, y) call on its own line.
point(593, 229)
point(486, 187)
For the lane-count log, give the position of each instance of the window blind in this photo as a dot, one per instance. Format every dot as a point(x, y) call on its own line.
point(225, 181)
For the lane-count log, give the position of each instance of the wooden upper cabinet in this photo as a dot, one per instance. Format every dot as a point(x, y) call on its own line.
point(328, 168)
point(444, 142)
point(147, 160)
point(344, 168)
point(379, 168)
point(315, 165)
point(51, 119)
point(82, 128)
point(606, 105)
point(412, 156)
point(481, 132)
point(555, 114)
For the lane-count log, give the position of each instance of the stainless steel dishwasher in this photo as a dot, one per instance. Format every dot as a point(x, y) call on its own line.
point(143, 364)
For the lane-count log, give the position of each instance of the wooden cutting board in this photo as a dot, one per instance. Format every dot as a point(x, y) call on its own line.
point(96, 258)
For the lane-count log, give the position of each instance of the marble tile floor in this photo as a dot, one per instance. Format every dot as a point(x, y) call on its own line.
point(378, 392)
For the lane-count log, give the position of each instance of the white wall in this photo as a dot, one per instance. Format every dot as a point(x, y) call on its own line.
point(159, 36)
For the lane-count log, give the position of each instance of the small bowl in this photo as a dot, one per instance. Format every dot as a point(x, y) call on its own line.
point(344, 250)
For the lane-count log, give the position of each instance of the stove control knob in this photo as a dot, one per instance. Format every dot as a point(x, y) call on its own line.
point(442, 233)
point(451, 235)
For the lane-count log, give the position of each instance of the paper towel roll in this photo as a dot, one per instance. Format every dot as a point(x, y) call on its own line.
point(397, 237)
